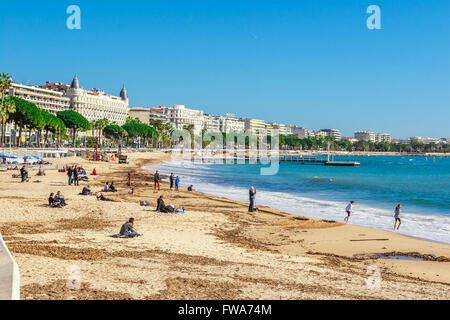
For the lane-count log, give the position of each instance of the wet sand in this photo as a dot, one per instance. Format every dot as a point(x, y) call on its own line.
point(216, 250)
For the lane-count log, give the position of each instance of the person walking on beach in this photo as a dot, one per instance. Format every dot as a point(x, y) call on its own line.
point(24, 174)
point(75, 176)
point(252, 196)
point(177, 183)
point(157, 179)
point(69, 173)
point(172, 180)
point(349, 210)
point(397, 213)
point(129, 179)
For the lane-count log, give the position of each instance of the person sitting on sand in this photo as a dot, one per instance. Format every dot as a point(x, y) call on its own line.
point(190, 188)
point(397, 213)
point(52, 202)
point(60, 198)
point(106, 187)
point(131, 192)
point(94, 172)
point(349, 210)
point(112, 188)
point(86, 191)
point(161, 206)
point(128, 230)
point(41, 172)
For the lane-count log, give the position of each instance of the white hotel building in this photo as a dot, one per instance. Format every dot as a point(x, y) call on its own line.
point(180, 116)
point(96, 104)
point(372, 136)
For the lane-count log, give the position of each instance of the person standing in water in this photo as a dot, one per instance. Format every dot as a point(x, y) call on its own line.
point(397, 213)
point(349, 210)
point(252, 196)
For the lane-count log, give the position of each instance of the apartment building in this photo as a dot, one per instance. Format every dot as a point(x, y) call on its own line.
point(46, 99)
point(365, 136)
point(180, 116)
point(255, 126)
point(301, 132)
point(332, 133)
point(211, 123)
point(382, 137)
point(282, 129)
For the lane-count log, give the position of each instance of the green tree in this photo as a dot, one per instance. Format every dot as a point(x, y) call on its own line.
point(75, 121)
point(5, 83)
point(25, 114)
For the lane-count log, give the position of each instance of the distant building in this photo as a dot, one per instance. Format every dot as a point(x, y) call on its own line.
point(146, 114)
point(211, 123)
point(231, 124)
point(180, 116)
point(332, 133)
point(318, 134)
point(141, 113)
point(301, 132)
point(255, 126)
point(365, 136)
point(96, 104)
point(350, 139)
point(382, 137)
point(282, 129)
point(46, 99)
point(425, 140)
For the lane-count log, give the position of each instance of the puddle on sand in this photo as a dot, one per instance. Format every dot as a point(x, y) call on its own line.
point(399, 258)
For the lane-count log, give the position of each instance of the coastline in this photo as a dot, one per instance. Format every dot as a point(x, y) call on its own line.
point(269, 255)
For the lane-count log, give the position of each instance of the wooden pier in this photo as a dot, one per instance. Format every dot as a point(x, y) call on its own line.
point(296, 159)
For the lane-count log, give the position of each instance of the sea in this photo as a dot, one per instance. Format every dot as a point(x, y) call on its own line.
point(420, 184)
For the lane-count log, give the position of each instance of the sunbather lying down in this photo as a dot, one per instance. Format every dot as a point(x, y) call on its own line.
point(101, 197)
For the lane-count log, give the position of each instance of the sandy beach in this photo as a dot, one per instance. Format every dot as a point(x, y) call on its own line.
point(215, 250)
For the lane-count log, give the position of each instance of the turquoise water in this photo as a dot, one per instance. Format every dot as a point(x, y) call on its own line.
point(421, 185)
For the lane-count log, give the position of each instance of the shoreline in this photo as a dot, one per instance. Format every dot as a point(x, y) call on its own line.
point(216, 250)
point(290, 210)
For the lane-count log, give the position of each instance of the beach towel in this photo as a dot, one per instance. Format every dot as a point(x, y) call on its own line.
point(179, 211)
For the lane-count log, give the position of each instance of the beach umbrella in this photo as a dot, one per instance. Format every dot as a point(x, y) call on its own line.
point(38, 157)
point(28, 158)
point(2, 155)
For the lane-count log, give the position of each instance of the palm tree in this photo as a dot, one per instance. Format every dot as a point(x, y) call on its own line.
point(8, 109)
point(191, 128)
point(5, 83)
point(100, 125)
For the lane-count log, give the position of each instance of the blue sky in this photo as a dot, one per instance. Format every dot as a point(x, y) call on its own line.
point(310, 63)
